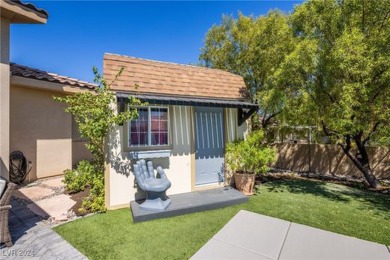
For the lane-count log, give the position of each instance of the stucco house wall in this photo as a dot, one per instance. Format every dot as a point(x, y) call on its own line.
point(41, 130)
point(11, 12)
point(4, 95)
point(121, 184)
point(79, 150)
point(39, 126)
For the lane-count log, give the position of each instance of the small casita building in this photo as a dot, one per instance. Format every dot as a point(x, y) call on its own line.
point(191, 113)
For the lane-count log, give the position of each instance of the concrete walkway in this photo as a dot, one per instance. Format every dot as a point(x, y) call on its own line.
point(35, 208)
point(34, 239)
point(253, 236)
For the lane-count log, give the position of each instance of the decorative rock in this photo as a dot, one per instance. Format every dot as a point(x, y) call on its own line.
point(62, 217)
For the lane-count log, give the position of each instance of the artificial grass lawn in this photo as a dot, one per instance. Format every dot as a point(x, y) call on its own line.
point(327, 206)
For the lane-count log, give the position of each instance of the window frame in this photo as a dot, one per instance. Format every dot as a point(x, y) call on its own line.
point(127, 127)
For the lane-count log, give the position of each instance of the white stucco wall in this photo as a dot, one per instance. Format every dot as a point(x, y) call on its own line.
point(177, 166)
point(4, 96)
point(120, 184)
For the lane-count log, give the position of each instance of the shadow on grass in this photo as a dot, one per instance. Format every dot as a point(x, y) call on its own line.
point(333, 192)
point(314, 188)
point(374, 201)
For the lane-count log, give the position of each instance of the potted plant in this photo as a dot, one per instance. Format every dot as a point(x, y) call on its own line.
point(247, 158)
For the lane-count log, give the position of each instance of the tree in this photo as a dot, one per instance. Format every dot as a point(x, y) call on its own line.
point(253, 48)
point(340, 73)
point(95, 114)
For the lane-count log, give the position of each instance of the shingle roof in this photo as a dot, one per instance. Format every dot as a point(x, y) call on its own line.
point(171, 79)
point(27, 72)
point(29, 6)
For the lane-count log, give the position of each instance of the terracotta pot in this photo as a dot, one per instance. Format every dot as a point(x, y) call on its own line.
point(245, 182)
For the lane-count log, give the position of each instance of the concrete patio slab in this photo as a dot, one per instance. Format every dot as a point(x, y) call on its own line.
point(56, 207)
point(54, 182)
point(33, 193)
point(250, 235)
point(257, 233)
point(321, 244)
point(216, 249)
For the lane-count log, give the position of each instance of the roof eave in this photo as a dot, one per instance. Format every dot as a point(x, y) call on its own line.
point(46, 85)
point(18, 12)
point(21, 71)
point(245, 109)
point(188, 101)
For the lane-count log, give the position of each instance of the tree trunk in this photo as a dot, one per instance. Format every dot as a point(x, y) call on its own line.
point(266, 119)
point(370, 177)
point(365, 168)
point(362, 162)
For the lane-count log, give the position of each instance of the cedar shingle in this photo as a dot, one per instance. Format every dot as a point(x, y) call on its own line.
point(171, 79)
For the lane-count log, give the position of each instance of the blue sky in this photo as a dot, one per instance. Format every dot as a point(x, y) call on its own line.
point(78, 33)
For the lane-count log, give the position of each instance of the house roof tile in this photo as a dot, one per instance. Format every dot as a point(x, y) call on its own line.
point(27, 72)
point(156, 77)
point(29, 7)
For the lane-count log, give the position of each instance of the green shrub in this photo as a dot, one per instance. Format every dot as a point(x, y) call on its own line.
point(78, 179)
point(95, 201)
point(86, 175)
point(250, 156)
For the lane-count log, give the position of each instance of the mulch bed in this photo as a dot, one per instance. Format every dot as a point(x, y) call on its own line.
point(79, 197)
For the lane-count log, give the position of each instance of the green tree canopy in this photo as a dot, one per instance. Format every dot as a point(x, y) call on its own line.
point(326, 64)
point(340, 72)
point(253, 48)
